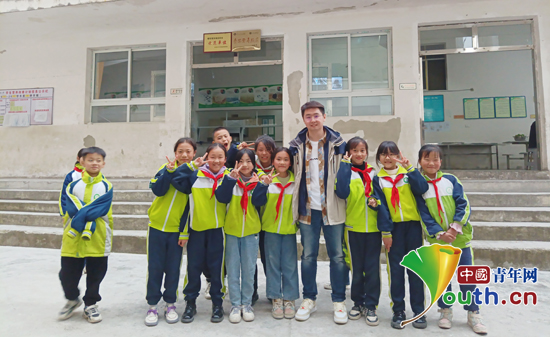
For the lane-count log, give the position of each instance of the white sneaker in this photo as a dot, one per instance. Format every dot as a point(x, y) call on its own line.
point(207, 291)
point(306, 309)
point(446, 318)
point(152, 317)
point(248, 313)
point(69, 309)
point(235, 315)
point(328, 286)
point(170, 313)
point(91, 313)
point(340, 313)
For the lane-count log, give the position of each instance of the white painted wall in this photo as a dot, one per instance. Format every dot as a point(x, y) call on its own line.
point(50, 48)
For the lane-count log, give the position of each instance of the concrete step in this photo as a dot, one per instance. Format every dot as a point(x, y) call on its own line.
point(39, 219)
point(55, 184)
point(520, 231)
point(118, 195)
point(512, 253)
point(119, 207)
point(503, 199)
point(500, 174)
point(530, 186)
point(511, 214)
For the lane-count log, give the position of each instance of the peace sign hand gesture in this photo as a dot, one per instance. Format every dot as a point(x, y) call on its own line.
point(201, 160)
point(171, 164)
point(254, 179)
point(242, 145)
point(235, 172)
point(348, 156)
point(268, 178)
point(403, 161)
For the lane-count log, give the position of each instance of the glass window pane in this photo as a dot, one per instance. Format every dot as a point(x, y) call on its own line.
point(202, 58)
point(109, 114)
point(337, 106)
point(149, 73)
point(111, 75)
point(159, 111)
point(330, 63)
point(369, 62)
point(371, 105)
point(454, 38)
point(509, 35)
point(271, 50)
point(142, 113)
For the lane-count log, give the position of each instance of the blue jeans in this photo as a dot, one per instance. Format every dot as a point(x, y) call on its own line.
point(241, 255)
point(334, 236)
point(282, 266)
point(466, 259)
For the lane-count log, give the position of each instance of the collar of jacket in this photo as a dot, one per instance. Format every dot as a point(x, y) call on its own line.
point(79, 167)
point(438, 175)
point(290, 180)
point(331, 137)
point(400, 169)
point(86, 178)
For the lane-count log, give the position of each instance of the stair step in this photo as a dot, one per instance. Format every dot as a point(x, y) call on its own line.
point(506, 186)
point(500, 174)
point(512, 253)
point(53, 195)
point(119, 207)
point(511, 214)
point(519, 231)
point(55, 184)
point(502, 199)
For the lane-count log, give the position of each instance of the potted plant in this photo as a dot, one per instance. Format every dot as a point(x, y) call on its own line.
point(520, 137)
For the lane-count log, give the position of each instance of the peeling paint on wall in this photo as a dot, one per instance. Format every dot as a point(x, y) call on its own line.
point(89, 141)
point(262, 15)
point(373, 132)
point(337, 9)
point(294, 84)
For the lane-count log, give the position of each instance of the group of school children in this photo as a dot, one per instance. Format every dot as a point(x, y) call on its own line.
point(232, 202)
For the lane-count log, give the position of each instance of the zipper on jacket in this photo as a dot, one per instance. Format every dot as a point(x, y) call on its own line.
point(281, 215)
point(169, 209)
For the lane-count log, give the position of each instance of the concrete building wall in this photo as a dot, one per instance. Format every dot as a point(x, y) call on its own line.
point(36, 52)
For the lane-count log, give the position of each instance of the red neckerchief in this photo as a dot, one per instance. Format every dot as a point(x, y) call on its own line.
point(439, 207)
point(281, 194)
point(78, 169)
point(208, 175)
point(394, 190)
point(366, 178)
point(246, 188)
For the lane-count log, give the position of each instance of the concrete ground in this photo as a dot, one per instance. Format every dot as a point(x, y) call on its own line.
point(31, 296)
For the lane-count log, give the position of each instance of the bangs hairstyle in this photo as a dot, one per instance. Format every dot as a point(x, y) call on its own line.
point(386, 147)
point(187, 140)
point(93, 149)
point(313, 105)
point(220, 128)
point(250, 154)
point(354, 142)
point(268, 142)
point(427, 149)
point(284, 149)
point(214, 146)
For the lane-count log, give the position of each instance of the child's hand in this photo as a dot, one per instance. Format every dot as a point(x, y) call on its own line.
point(348, 156)
point(452, 231)
point(171, 164)
point(268, 178)
point(235, 172)
point(254, 179)
point(387, 243)
point(373, 202)
point(242, 145)
point(403, 161)
point(182, 243)
point(201, 160)
point(447, 237)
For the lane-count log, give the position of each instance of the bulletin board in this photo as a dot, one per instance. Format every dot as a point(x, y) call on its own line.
point(495, 107)
point(434, 108)
point(25, 107)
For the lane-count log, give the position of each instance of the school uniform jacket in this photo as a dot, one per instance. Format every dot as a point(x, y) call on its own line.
point(410, 180)
point(267, 196)
point(453, 206)
point(89, 231)
point(74, 175)
point(237, 223)
point(360, 217)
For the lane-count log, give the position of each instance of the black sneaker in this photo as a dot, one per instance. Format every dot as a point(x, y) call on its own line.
point(398, 317)
point(355, 312)
point(255, 298)
point(420, 323)
point(217, 313)
point(189, 313)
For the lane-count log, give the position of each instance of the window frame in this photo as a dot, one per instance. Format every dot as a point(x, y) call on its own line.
point(128, 101)
point(350, 93)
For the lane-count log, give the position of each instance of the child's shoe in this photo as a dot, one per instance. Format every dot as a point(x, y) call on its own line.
point(170, 313)
point(371, 317)
point(207, 291)
point(355, 312)
point(290, 309)
point(328, 286)
point(189, 313)
point(306, 309)
point(474, 320)
point(340, 312)
point(217, 313)
point(152, 317)
point(420, 323)
point(277, 311)
point(69, 309)
point(235, 315)
point(91, 313)
point(398, 317)
point(248, 313)
point(446, 318)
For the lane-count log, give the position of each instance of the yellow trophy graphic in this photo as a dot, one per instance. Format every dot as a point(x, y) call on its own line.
point(435, 265)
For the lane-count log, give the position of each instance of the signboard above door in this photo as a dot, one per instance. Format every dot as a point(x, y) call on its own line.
point(244, 40)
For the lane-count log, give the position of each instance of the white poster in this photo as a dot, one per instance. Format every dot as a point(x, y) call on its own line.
point(24, 107)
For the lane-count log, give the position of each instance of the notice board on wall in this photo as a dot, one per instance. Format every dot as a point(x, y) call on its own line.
point(25, 107)
point(434, 108)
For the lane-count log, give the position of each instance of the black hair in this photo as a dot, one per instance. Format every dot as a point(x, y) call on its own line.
point(93, 149)
point(312, 105)
point(354, 142)
point(187, 140)
point(427, 149)
point(216, 145)
point(284, 149)
point(250, 154)
point(79, 154)
point(268, 142)
point(219, 128)
point(384, 148)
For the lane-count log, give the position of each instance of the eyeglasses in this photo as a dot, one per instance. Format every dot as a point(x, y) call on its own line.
point(312, 117)
point(390, 155)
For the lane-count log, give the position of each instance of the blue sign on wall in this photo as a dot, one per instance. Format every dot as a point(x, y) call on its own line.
point(434, 109)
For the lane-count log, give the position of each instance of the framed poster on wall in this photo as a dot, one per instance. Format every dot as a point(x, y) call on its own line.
point(434, 108)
